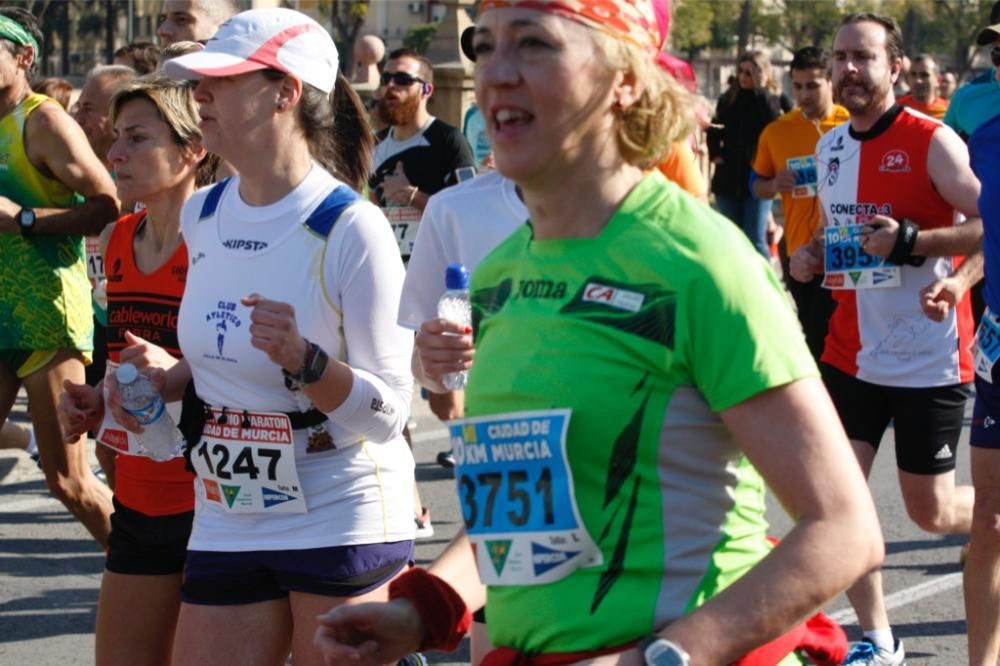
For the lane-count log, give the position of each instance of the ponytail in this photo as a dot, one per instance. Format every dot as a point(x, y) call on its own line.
point(338, 133)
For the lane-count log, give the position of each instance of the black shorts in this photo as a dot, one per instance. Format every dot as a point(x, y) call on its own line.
point(928, 421)
point(142, 545)
point(219, 578)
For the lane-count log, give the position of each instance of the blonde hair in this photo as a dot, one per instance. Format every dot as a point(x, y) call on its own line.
point(647, 129)
point(174, 101)
point(763, 64)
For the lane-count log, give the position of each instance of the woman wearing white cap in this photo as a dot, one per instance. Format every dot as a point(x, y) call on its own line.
point(300, 374)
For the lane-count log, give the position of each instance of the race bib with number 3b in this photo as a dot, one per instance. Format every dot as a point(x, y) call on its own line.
point(850, 267)
point(987, 345)
point(246, 463)
point(517, 498)
point(806, 178)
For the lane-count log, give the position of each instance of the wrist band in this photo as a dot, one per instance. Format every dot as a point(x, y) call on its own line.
point(445, 616)
point(906, 240)
point(413, 195)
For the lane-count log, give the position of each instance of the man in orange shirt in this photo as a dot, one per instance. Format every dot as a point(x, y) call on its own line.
point(924, 80)
point(785, 164)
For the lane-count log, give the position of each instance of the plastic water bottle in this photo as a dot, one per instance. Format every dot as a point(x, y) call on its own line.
point(160, 439)
point(454, 306)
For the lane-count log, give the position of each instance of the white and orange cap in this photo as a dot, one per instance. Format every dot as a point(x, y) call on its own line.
point(275, 38)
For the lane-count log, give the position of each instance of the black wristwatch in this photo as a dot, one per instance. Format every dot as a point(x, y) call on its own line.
point(313, 367)
point(658, 651)
point(26, 220)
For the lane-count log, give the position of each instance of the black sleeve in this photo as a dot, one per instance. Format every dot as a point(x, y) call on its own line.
point(785, 102)
point(714, 134)
point(460, 153)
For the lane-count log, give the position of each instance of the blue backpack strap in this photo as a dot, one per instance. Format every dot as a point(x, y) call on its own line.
point(212, 199)
point(327, 213)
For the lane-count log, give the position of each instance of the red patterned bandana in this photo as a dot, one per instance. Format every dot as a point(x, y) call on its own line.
point(645, 23)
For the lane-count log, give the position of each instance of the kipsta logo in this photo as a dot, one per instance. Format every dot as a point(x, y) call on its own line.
point(117, 266)
point(838, 144)
point(895, 161)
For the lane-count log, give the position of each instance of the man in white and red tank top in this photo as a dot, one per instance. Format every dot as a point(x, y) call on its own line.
point(890, 183)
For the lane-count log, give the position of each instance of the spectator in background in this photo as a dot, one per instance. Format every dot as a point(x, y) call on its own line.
point(902, 85)
point(60, 90)
point(978, 100)
point(143, 57)
point(192, 20)
point(740, 116)
point(924, 82)
point(178, 49)
point(947, 83)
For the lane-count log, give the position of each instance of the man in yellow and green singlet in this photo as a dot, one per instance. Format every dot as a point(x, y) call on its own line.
point(53, 191)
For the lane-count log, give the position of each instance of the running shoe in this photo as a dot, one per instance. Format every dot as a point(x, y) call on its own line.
point(415, 659)
point(864, 653)
point(446, 459)
point(424, 528)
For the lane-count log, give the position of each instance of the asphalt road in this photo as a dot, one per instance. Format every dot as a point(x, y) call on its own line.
point(50, 569)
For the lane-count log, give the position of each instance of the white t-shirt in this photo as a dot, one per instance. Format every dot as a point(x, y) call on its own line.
point(345, 290)
point(461, 224)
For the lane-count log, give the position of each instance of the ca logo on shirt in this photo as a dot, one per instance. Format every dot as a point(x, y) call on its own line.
point(622, 299)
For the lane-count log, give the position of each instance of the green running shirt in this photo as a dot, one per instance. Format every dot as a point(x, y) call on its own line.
point(45, 301)
point(644, 333)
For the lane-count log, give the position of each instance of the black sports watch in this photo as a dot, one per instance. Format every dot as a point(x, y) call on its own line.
point(313, 367)
point(26, 220)
point(658, 651)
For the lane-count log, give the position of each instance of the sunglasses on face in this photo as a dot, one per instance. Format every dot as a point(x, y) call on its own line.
point(995, 56)
point(748, 72)
point(401, 79)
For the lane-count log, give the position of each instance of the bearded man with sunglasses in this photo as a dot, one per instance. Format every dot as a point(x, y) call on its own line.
point(417, 155)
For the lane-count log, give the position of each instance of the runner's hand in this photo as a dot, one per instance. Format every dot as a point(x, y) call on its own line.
point(879, 236)
point(444, 346)
point(369, 634)
point(940, 297)
point(143, 354)
point(81, 410)
point(784, 181)
point(273, 331)
point(157, 377)
point(805, 263)
point(396, 187)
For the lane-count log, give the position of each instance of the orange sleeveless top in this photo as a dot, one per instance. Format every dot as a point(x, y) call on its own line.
point(146, 304)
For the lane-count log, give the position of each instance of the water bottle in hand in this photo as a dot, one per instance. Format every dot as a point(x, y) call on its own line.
point(454, 306)
point(160, 439)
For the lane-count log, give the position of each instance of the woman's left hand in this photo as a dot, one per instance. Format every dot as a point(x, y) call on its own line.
point(274, 332)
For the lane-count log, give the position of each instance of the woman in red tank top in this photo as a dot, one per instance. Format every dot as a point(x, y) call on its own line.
point(159, 160)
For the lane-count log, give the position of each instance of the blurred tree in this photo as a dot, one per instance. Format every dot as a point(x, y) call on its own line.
point(347, 17)
point(691, 26)
point(418, 37)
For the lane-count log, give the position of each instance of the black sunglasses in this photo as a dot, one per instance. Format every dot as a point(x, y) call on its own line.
point(401, 79)
point(995, 56)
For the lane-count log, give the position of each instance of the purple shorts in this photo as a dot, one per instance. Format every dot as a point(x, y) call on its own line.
point(217, 578)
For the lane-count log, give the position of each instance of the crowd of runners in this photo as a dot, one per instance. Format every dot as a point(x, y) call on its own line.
point(222, 211)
